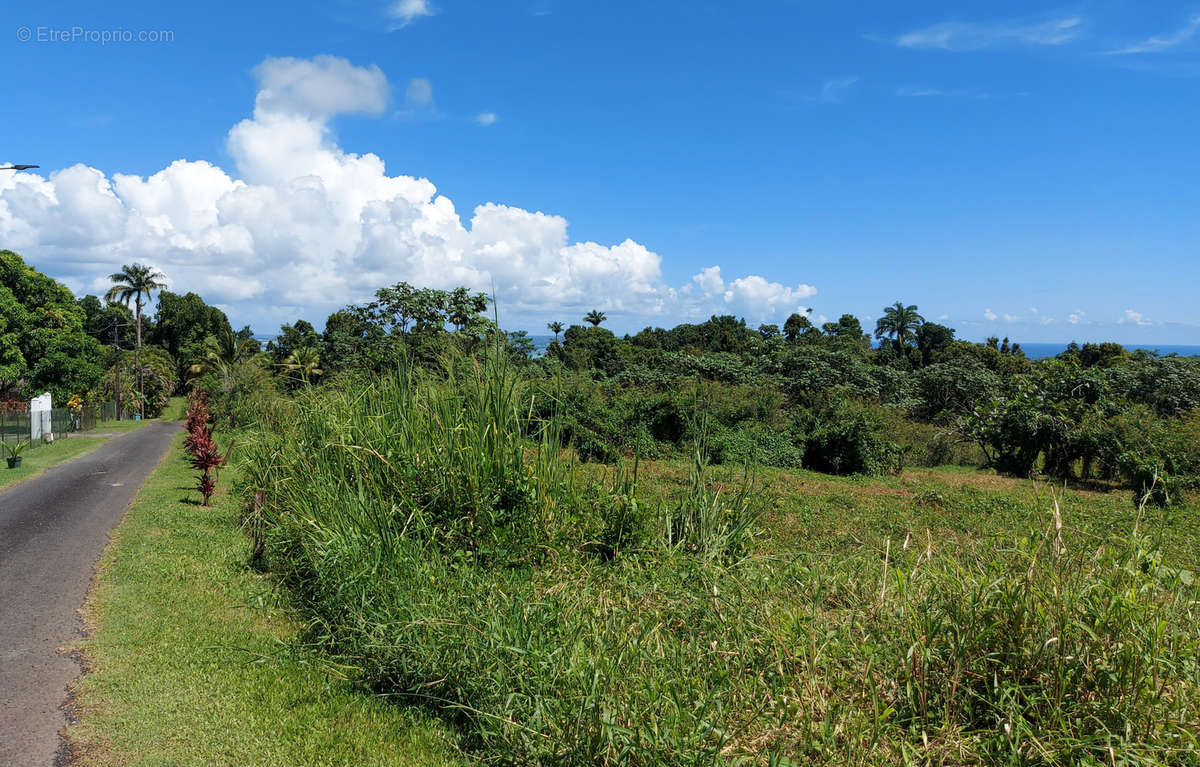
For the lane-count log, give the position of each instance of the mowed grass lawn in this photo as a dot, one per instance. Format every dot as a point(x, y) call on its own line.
point(191, 660)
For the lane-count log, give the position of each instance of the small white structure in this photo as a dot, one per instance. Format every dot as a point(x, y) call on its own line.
point(40, 425)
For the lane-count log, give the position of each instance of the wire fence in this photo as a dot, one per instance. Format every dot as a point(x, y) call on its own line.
point(62, 422)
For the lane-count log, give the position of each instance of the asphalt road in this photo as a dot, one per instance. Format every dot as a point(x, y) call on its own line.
point(52, 530)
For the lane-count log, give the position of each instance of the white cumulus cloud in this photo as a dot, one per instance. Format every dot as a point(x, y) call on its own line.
point(319, 87)
point(299, 226)
point(485, 118)
point(1134, 318)
point(752, 296)
point(406, 12)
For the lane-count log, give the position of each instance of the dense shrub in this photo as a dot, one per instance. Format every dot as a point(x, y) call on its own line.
point(848, 438)
point(241, 395)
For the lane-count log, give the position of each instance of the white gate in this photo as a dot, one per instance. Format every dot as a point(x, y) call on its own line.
point(39, 418)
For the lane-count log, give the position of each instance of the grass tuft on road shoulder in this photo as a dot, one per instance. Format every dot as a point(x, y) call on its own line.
point(190, 664)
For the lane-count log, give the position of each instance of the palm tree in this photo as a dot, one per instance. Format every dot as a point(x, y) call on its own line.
point(222, 353)
point(900, 322)
point(135, 282)
point(595, 317)
point(305, 362)
point(555, 327)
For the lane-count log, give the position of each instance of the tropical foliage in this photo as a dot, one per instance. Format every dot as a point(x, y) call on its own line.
point(43, 344)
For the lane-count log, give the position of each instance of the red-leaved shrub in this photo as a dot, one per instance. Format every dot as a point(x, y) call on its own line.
point(206, 457)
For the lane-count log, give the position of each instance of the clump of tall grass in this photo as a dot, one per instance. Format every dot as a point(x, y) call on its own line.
point(1051, 649)
point(1050, 653)
point(440, 542)
point(446, 553)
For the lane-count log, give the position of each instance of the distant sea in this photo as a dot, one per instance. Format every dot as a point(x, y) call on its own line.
point(1042, 351)
point(1032, 351)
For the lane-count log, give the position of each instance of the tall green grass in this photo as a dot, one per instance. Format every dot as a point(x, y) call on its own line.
point(447, 554)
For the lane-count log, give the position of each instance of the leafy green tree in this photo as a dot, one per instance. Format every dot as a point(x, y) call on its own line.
point(301, 335)
point(348, 341)
point(953, 389)
point(795, 325)
point(847, 333)
point(595, 317)
point(43, 345)
point(105, 321)
point(157, 372)
point(592, 349)
point(182, 323)
point(556, 328)
point(519, 345)
point(463, 310)
point(899, 322)
point(12, 358)
point(932, 340)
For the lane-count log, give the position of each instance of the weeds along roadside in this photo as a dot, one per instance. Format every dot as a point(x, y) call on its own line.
point(447, 555)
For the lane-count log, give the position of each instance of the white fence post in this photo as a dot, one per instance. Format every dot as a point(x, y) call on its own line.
point(39, 417)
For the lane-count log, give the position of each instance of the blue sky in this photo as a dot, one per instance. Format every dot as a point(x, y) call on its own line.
point(1017, 169)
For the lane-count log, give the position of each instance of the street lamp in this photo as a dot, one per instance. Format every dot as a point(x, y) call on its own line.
point(19, 167)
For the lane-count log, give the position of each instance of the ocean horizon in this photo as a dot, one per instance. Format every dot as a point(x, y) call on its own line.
point(1034, 351)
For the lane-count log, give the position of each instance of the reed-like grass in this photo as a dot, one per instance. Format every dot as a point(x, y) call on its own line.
point(447, 555)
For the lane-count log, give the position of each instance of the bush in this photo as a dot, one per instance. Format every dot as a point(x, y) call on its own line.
point(846, 439)
point(246, 395)
point(756, 444)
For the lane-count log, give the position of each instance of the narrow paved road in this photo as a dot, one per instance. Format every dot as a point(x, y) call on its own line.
point(52, 530)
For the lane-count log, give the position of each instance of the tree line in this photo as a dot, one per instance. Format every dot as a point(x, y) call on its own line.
point(801, 395)
point(796, 395)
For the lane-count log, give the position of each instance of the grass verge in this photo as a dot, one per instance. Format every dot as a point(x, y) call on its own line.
point(37, 459)
point(189, 659)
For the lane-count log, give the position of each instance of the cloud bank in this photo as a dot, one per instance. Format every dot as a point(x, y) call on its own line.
point(300, 227)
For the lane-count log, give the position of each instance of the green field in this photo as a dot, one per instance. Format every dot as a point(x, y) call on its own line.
point(446, 553)
point(807, 644)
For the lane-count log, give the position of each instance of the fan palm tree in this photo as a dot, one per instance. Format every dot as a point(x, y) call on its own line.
point(135, 282)
point(555, 327)
point(899, 322)
point(305, 362)
point(594, 318)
